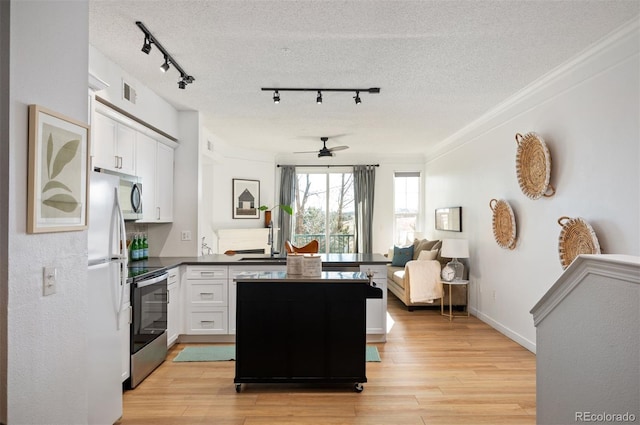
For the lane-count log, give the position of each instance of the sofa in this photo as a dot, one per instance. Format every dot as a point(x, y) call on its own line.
point(399, 284)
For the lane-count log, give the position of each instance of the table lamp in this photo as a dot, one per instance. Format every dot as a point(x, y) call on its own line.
point(454, 249)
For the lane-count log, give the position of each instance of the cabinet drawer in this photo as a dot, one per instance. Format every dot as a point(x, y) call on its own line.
point(174, 276)
point(208, 292)
point(207, 321)
point(197, 272)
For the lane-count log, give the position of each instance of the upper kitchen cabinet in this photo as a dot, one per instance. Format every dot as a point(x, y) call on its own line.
point(114, 145)
point(155, 166)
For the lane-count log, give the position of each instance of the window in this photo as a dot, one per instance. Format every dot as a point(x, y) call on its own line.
point(406, 194)
point(324, 210)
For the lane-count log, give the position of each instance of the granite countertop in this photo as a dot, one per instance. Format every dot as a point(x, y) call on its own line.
point(331, 260)
point(325, 277)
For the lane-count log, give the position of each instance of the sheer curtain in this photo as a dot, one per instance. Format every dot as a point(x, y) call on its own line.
point(287, 197)
point(364, 179)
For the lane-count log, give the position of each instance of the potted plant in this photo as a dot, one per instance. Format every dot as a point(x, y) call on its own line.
point(267, 212)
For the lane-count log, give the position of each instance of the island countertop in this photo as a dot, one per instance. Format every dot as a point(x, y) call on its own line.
point(328, 260)
point(279, 276)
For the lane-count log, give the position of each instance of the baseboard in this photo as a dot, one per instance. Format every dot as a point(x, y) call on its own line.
point(529, 345)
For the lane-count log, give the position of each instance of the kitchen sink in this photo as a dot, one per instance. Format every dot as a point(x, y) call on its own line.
point(264, 259)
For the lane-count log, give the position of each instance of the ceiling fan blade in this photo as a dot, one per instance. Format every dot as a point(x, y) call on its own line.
point(307, 152)
point(338, 148)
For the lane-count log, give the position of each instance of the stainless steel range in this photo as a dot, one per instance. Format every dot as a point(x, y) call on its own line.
point(149, 321)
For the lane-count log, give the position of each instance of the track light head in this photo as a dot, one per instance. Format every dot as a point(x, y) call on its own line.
point(146, 47)
point(182, 84)
point(319, 98)
point(165, 66)
point(357, 98)
point(276, 97)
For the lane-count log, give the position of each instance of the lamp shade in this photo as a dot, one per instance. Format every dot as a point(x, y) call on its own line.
point(455, 248)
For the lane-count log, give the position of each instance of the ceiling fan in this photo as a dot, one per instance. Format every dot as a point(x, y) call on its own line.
point(326, 152)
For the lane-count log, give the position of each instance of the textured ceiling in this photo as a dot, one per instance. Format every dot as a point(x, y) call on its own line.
point(439, 64)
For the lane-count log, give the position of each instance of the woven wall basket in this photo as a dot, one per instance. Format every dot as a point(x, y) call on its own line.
point(504, 223)
point(576, 237)
point(533, 165)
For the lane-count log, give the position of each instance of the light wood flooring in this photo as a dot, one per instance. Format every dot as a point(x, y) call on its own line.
point(432, 372)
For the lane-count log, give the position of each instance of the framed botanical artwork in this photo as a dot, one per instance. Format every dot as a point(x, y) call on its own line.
point(58, 174)
point(246, 198)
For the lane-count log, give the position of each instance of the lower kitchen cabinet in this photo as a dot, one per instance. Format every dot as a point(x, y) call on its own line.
point(207, 295)
point(377, 308)
point(174, 306)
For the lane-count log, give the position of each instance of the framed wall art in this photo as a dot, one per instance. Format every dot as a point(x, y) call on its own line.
point(449, 219)
point(57, 181)
point(246, 198)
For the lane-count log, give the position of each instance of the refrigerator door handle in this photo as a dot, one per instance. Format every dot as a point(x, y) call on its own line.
point(122, 253)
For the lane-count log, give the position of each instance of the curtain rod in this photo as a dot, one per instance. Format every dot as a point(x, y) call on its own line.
point(327, 165)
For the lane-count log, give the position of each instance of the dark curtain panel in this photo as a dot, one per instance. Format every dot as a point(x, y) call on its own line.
point(287, 197)
point(364, 179)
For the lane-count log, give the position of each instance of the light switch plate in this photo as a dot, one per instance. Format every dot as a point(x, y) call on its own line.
point(49, 275)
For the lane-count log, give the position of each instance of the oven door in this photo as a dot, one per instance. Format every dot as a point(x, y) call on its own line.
point(149, 311)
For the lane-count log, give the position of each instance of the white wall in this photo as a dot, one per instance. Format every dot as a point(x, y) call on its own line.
point(230, 163)
point(588, 114)
point(4, 195)
point(46, 336)
point(588, 343)
point(149, 107)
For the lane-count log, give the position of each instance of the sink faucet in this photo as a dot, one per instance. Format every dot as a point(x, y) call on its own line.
point(270, 239)
point(205, 248)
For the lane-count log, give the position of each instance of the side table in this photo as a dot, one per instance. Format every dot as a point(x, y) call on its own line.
point(464, 283)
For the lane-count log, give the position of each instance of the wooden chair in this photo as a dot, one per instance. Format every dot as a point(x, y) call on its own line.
point(310, 248)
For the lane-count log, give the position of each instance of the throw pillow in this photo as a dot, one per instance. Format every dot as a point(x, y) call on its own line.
point(401, 255)
point(427, 255)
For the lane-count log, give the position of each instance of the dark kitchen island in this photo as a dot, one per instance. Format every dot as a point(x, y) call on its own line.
point(294, 329)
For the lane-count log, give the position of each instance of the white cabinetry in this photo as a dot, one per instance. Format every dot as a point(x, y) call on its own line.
point(124, 329)
point(113, 145)
point(155, 166)
point(174, 306)
point(377, 308)
point(207, 300)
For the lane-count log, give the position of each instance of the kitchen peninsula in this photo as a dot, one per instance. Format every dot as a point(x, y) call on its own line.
point(203, 292)
point(293, 328)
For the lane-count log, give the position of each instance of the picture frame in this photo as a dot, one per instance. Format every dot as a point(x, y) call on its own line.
point(449, 219)
point(58, 172)
point(246, 199)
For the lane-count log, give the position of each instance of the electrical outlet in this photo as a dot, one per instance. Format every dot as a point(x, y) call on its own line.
point(494, 294)
point(186, 235)
point(49, 275)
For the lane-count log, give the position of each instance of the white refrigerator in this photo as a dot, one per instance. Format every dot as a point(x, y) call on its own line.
point(105, 289)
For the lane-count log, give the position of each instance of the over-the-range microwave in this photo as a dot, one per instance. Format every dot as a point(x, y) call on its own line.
point(130, 194)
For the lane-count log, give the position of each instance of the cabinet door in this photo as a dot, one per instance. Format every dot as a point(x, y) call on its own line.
point(103, 148)
point(146, 167)
point(126, 149)
point(164, 182)
point(377, 308)
point(174, 307)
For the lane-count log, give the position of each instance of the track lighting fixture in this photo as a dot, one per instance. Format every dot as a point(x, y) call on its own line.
point(165, 66)
point(357, 91)
point(146, 47)
point(168, 60)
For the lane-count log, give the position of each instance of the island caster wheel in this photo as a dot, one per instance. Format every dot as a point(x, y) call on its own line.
point(358, 387)
point(238, 387)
